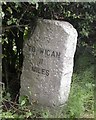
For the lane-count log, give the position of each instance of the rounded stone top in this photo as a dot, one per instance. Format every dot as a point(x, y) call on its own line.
point(68, 28)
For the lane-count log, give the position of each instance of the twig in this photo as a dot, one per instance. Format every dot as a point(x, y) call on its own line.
point(10, 102)
point(12, 26)
point(5, 106)
point(22, 15)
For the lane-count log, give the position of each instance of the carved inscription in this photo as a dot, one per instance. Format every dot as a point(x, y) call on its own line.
point(43, 53)
point(40, 70)
point(50, 53)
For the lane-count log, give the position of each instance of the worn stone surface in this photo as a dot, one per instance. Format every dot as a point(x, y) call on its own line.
point(48, 62)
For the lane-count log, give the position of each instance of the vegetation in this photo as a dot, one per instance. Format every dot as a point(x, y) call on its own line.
point(18, 21)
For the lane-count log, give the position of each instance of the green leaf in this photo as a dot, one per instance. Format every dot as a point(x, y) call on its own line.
point(23, 102)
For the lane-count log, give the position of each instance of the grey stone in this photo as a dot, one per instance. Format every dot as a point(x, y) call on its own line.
point(48, 62)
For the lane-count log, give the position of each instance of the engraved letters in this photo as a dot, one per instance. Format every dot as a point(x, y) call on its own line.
point(40, 71)
point(43, 53)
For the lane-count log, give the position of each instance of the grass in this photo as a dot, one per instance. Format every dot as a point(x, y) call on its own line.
point(81, 99)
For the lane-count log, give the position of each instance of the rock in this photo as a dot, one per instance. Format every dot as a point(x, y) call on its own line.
point(48, 63)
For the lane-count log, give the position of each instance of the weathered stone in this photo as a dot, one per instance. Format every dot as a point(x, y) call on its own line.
point(48, 62)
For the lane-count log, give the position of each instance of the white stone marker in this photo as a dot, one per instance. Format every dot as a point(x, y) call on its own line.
point(48, 62)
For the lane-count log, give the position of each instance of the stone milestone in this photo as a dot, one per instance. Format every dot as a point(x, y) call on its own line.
point(48, 62)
